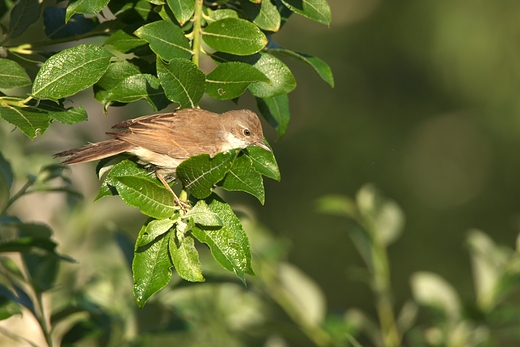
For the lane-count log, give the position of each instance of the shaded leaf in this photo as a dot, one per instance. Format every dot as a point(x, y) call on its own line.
point(30, 121)
point(42, 270)
point(317, 10)
point(12, 75)
point(124, 42)
point(264, 162)
point(23, 14)
point(57, 28)
point(230, 80)
point(6, 181)
point(64, 115)
point(321, 67)
point(276, 111)
point(281, 80)
point(85, 6)
point(139, 86)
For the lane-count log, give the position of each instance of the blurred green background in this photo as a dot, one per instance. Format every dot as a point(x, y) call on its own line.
point(425, 106)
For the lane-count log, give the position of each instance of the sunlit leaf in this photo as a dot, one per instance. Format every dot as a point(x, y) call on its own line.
point(182, 81)
point(185, 258)
point(70, 71)
point(235, 36)
point(166, 39)
point(151, 269)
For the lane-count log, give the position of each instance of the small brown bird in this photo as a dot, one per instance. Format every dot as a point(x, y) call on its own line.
point(163, 141)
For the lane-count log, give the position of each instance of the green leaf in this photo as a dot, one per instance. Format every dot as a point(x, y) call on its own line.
point(23, 14)
point(151, 269)
point(63, 115)
point(276, 111)
point(224, 249)
point(182, 81)
point(133, 12)
point(166, 39)
point(201, 172)
point(182, 9)
point(85, 6)
point(185, 258)
point(29, 120)
point(317, 10)
point(281, 80)
point(115, 74)
point(12, 75)
point(152, 230)
point(221, 14)
point(229, 245)
point(12, 268)
point(138, 188)
point(121, 169)
point(202, 215)
point(338, 205)
point(231, 221)
point(235, 36)
point(264, 162)
point(10, 302)
point(70, 71)
point(317, 64)
point(139, 86)
point(123, 42)
point(229, 80)
point(152, 200)
point(8, 308)
point(243, 177)
point(264, 14)
point(42, 270)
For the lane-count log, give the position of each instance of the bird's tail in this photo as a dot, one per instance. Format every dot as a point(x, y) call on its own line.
point(94, 151)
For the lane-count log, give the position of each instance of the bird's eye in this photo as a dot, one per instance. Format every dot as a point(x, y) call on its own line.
point(247, 132)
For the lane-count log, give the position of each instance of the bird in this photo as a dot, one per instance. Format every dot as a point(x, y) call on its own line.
point(162, 141)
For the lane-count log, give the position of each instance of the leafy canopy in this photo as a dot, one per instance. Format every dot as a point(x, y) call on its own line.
point(152, 51)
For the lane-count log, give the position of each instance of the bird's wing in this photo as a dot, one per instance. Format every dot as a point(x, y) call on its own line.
point(180, 135)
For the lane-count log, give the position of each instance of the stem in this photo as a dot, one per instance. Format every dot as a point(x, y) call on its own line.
point(382, 290)
point(20, 193)
point(28, 48)
point(197, 32)
point(42, 321)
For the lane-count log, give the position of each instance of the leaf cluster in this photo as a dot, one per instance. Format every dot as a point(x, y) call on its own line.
point(153, 50)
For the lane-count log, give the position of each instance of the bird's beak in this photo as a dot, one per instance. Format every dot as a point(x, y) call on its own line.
point(263, 145)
